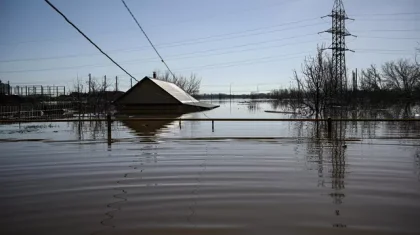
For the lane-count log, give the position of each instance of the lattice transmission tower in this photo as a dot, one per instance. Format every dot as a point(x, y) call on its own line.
point(339, 33)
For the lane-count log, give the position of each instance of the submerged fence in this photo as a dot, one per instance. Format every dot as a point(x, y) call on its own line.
point(45, 110)
point(329, 122)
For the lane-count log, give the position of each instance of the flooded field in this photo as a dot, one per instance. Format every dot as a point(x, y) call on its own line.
point(243, 178)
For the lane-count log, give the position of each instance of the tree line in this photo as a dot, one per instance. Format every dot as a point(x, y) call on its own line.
point(318, 90)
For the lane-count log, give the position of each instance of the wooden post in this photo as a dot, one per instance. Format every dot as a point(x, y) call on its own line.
point(329, 127)
point(116, 83)
point(131, 82)
point(179, 123)
point(212, 125)
point(108, 121)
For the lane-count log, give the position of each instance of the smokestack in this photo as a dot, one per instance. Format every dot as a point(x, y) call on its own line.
point(154, 75)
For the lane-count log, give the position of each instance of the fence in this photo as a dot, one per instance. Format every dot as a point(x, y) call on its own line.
point(328, 121)
point(34, 90)
point(44, 110)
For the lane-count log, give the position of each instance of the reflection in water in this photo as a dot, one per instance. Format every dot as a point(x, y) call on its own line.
point(148, 130)
point(89, 130)
point(307, 183)
point(338, 161)
point(253, 106)
point(321, 151)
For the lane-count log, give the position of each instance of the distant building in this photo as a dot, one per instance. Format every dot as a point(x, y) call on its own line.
point(4, 88)
point(152, 96)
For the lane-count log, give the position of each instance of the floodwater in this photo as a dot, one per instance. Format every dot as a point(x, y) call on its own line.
point(243, 178)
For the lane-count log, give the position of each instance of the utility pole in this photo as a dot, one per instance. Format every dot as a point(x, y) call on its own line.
point(230, 92)
point(339, 48)
point(131, 82)
point(90, 82)
point(116, 83)
point(104, 88)
point(355, 80)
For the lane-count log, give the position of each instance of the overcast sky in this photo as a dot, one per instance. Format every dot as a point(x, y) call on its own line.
point(250, 44)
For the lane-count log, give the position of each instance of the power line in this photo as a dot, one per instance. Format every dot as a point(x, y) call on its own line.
point(179, 57)
point(388, 19)
point(97, 47)
point(148, 39)
point(389, 14)
point(388, 30)
point(374, 49)
point(295, 22)
point(245, 62)
point(232, 12)
point(213, 36)
point(180, 43)
point(389, 38)
point(203, 51)
point(207, 37)
point(167, 45)
point(148, 60)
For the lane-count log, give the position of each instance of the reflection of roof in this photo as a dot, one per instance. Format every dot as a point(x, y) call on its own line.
point(175, 91)
point(150, 128)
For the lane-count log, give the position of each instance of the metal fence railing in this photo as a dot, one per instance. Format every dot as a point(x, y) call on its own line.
point(329, 122)
point(47, 110)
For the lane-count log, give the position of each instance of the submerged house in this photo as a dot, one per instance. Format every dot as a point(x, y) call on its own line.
point(152, 96)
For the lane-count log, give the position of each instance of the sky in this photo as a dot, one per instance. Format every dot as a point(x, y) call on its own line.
point(242, 45)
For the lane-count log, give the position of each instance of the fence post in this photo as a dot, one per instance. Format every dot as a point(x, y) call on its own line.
point(108, 121)
point(212, 125)
point(179, 123)
point(329, 126)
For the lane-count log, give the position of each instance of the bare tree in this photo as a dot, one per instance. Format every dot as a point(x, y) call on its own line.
point(401, 75)
point(78, 87)
point(371, 79)
point(191, 84)
point(98, 96)
point(314, 83)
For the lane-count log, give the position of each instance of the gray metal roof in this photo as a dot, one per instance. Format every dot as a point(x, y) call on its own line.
point(175, 91)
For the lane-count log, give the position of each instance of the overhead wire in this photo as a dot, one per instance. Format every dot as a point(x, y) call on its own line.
point(178, 57)
point(389, 38)
point(388, 14)
point(167, 45)
point(148, 39)
point(87, 38)
point(377, 51)
point(295, 22)
point(195, 41)
point(154, 48)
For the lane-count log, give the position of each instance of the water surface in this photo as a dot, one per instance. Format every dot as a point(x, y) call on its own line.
point(243, 178)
